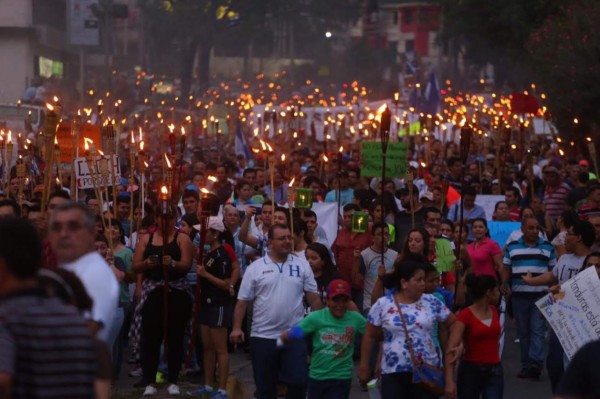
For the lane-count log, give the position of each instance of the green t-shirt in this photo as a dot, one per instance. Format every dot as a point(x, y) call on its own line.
point(127, 257)
point(333, 343)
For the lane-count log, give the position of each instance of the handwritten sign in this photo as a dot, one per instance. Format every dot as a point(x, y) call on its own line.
point(372, 159)
point(500, 231)
point(574, 313)
point(85, 179)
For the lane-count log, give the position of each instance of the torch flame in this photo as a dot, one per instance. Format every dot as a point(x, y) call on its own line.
point(263, 145)
point(341, 149)
point(292, 182)
point(171, 127)
point(282, 157)
point(9, 138)
point(168, 162)
point(325, 158)
point(182, 131)
point(141, 146)
point(269, 147)
point(204, 191)
point(100, 152)
point(55, 140)
point(50, 107)
point(132, 138)
point(164, 191)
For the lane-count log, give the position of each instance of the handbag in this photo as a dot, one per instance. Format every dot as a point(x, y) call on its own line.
point(427, 376)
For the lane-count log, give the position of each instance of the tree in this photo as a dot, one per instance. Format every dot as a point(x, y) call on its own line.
point(565, 51)
point(495, 32)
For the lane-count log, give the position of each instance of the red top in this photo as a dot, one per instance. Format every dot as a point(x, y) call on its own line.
point(343, 249)
point(482, 256)
point(480, 341)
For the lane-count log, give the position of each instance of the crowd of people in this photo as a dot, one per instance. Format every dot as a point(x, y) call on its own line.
point(179, 282)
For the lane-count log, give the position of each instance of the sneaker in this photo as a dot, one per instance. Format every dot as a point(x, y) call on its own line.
point(150, 391)
point(219, 395)
point(532, 373)
point(173, 390)
point(201, 390)
point(136, 372)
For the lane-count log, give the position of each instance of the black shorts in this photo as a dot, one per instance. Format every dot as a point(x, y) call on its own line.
point(216, 315)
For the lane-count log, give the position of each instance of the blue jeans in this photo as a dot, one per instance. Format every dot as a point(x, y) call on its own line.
point(531, 330)
point(476, 380)
point(329, 389)
point(271, 365)
point(400, 385)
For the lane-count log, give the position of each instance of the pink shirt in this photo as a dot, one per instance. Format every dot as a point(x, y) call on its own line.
point(482, 256)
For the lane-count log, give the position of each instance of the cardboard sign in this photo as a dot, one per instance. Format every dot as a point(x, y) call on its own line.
point(85, 179)
point(371, 159)
point(574, 313)
point(65, 140)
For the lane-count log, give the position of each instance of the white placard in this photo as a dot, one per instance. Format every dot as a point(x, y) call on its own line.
point(84, 27)
point(574, 313)
point(83, 176)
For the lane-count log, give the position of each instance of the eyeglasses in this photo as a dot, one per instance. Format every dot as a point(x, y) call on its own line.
point(71, 227)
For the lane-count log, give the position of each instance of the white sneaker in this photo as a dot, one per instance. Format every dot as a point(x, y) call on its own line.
point(173, 390)
point(150, 391)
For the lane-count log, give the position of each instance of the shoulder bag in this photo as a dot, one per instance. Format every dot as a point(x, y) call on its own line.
point(427, 376)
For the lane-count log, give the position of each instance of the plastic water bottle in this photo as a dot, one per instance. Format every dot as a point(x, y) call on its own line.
point(373, 389)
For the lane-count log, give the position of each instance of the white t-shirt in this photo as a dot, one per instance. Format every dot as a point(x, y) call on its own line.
point(277, 290)
point(370, 261)
point(101, 285)
point(567, 266)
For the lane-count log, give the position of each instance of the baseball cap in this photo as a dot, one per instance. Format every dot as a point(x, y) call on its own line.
point(215, 223)
point(192, 187)
point(550, 169)
point(584, 162)
point(338, 287)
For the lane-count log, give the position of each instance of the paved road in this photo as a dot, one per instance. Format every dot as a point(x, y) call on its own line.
point(514, 388)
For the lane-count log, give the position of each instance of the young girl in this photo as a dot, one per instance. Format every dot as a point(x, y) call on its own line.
point(478, 327)
point(322, 266)
point(216, 314)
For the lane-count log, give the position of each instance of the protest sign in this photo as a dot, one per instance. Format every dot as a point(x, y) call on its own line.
point(85, 179)
point(488, 203)
point(445, 258)
point(372, 157)
point(574, 313)
point(500, 231)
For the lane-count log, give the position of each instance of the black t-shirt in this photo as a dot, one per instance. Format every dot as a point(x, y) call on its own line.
point(581, 380)
point(218, 263)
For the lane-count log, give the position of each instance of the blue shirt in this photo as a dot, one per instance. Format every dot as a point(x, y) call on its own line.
point(345, 195)
point(475, 213)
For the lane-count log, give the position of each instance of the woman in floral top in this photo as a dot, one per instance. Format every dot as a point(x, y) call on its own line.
point(385, 324)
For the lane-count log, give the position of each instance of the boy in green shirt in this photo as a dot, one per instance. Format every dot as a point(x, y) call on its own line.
point(333, 330)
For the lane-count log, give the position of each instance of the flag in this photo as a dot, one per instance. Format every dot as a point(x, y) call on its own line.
point(432, 96)
point(241, 146)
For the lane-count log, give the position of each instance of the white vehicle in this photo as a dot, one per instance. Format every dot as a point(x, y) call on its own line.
point(15, 117)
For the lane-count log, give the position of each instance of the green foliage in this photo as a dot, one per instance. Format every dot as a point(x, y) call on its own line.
point(566, 51)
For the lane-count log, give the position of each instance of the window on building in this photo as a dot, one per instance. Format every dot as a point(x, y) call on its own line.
point(409, 46)
point(407, 16)
point(395, 17)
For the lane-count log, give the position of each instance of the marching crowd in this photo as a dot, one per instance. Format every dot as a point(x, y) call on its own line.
point(179, 282)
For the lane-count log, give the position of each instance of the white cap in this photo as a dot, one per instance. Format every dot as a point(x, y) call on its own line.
point(216, 223)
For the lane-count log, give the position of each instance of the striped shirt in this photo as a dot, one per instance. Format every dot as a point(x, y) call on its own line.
point(587, 210)
point(555, 200)
point(521, 259)
point(46, 347)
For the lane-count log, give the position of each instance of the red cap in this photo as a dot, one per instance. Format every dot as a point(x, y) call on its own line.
point(584, 162)
point(338, 287)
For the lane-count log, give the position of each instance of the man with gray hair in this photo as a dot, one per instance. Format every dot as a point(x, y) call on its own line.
point(72, 230)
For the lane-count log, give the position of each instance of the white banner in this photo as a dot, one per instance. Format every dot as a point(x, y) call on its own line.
point(574, 313)
point(84, 178)
point(83, 25)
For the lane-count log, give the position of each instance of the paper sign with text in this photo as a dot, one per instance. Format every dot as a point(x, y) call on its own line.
point(574, 313)
point(85, 179)
point(371, 158)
